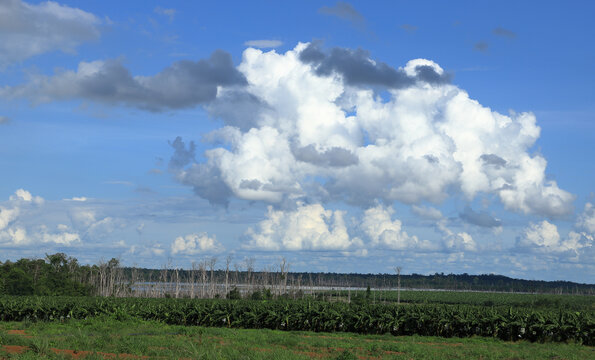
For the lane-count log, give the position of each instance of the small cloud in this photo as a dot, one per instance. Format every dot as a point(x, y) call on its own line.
point(455, 241)
point(264, 44)
point(427, 212)
point(170, 13)
point(24, 195)
point(140, 228)
point(156, 171)
point(500, 31)
point(144, 190)
point(4, 120)
point(409, 28)
point(119, 182)
point(481, 46)
point(345, 11)
point(481, 218)
point(79, 199)
point(194, 244)
point(180, 54)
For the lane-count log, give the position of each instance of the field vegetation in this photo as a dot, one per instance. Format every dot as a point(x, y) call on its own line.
point(107, 338)
point(235, 313)
point(320, 316)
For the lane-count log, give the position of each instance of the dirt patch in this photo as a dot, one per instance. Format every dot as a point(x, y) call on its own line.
point(388, 352)
point(16, 332)
point(19, 333)
point(311, 354)
point(75, 354)
point(218, 339)
point(14, 349)
point(439, 343)
point(327, 337)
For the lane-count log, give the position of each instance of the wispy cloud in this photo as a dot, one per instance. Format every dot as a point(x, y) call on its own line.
point(481, 46)
point(264, 44)
point(345, 11)
point(119, 182)
point(32, 29)
point(500, 31)
point(170, 13)
point(409, 28)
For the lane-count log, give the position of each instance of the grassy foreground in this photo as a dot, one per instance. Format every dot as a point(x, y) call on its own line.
point(104, 337)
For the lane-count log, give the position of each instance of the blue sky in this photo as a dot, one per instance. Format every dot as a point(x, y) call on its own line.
point(344, 136)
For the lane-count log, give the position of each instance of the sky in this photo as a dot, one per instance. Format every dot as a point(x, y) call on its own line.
point(452, 137)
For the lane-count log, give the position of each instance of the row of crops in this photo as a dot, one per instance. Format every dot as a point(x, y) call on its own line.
point(544, 301)
point(423, 319)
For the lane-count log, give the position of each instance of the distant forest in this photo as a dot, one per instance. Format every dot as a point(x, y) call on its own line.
point(58, 274)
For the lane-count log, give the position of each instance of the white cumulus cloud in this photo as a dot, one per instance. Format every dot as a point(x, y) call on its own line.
point(14, 234)
point(544, 237)
point(453, 241)
point(318, 131)
point(385, 232)
point(193, 244)
point(309, 227)
point(586, 220)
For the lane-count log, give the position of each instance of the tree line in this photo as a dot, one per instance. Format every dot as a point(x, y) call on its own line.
point(59, 274)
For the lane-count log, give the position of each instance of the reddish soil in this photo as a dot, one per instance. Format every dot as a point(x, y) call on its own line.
point(311, 354)
point(81, 354)
point(74, 354)
point(16, 332)
point(14, 349)
point(439, 343)
point(329, 337)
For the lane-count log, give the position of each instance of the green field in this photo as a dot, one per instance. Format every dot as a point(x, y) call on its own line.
point(541, 301)
point(505, 323)
point(426, 325)
point(104, 337)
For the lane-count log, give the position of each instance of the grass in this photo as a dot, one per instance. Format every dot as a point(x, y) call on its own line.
point(154, 340)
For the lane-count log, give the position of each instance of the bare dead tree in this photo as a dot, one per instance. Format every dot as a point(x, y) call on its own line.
point(299, 286)
point(203, 277)
point(176, 279)
point(163, 279)
point(284, 269)
point(227, 263)
point(212, 263)
point(266, 283)
point(249, 270)
point(193, 272)
point(236, 279)
point(398, 271)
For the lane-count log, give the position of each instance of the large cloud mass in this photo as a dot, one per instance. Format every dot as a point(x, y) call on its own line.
point(331, 125)
point(27, 30)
